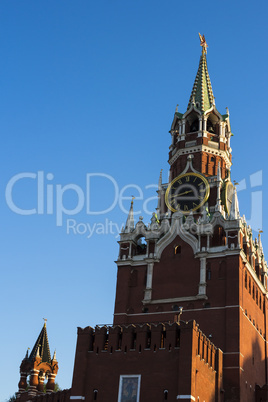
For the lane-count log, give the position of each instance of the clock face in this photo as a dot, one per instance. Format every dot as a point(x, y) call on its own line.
point(187, 192)
point(228, 196)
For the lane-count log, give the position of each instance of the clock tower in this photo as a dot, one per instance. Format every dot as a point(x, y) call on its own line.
point(197, 259)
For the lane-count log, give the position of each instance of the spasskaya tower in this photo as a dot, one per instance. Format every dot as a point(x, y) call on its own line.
point(197, 259)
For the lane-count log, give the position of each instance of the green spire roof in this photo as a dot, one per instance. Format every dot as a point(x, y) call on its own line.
point(202, 95)
point(41, 347)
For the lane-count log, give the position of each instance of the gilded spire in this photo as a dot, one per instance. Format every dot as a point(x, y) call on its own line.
point(202, 95)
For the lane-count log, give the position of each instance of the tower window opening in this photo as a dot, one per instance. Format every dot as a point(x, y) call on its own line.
point(249, 286)
point(141, 246)
point(165, 394)
point(219, 237)
point(95, 394)
point(210, 127)
point(194, 126)
point(246, 280)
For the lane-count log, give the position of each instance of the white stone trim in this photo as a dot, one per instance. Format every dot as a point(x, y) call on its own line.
point(149, 282)
point(202, 285)
point(201, 148)
point(191, 397)
point(174, 231)
point(168, 312)
point(175, 299)
point(77, 398)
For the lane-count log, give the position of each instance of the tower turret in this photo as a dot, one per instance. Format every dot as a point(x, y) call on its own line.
point(36, 367)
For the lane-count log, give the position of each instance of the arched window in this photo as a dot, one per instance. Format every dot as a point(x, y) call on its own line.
point(246, 280)
point(192, 123)
point(194, 126)
point(219, 237)
point(141, 246)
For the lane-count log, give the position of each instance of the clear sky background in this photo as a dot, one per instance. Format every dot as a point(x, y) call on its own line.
point(91, 87)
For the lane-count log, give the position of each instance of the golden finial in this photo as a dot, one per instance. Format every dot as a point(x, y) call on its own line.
point(45, 324)
point(203, 43)
point(133, 198)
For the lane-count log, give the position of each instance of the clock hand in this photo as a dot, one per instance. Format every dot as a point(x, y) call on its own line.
point(178, 195)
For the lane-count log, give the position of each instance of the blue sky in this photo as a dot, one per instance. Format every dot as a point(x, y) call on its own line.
point(88, 88)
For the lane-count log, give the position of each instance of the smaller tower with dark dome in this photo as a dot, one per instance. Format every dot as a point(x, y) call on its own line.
point(37, 367)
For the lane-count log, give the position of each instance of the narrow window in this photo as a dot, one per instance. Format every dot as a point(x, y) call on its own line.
point(208, 272)
point(177, 250)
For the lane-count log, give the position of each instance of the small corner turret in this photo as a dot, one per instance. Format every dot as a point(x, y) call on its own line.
point(36, 368)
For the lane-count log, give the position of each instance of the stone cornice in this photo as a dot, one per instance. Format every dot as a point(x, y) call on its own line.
point(201, 148)
point(176, 299)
